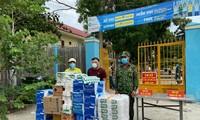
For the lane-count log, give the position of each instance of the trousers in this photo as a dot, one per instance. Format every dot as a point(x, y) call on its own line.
point(131, 105)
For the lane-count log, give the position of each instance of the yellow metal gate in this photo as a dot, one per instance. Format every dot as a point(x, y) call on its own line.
point(104, 63)
point(165, 59)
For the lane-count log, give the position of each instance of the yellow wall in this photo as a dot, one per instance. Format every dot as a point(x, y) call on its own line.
point(69, 37)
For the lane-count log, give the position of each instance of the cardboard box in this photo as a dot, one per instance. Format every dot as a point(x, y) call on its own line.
point(58, 90)
point(92, 118)
point(78, 109)
point(80, 117)
point(91, 86)
point(90, 110)
point(77, 97)
point(90, 99)
point(52, 104)
point(56, 117)
point(101, 87)
point(67, 117)
point(42, 116)
point(78, 86)
point(78, 89)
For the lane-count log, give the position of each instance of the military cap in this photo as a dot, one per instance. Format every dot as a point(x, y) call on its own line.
point(125, 53)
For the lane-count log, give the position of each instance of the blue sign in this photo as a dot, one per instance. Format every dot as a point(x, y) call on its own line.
point(186, 8)
point(144, 15)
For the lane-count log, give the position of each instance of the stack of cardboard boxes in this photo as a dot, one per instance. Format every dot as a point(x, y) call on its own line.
point(91, 93)
point(40, 104)
point(85, 97)
point(78, 99)
point(74, 97)
point(60, 103)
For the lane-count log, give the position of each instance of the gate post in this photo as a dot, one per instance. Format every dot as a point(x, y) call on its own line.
point(193, 59)
point(55, 52)
point(91, 50)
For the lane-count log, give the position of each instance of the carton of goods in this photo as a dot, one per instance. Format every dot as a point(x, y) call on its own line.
point(58, 90)
point(67, 117)
point(90, 110)
point(67, 109)
point(90, 99)
point(80, 117)
point(61, 77)
point(78, 109)
point(77, 97)
point(56, 117)
point(78, 86)
point(52, 104)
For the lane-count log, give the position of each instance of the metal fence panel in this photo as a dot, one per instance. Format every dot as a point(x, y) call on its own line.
point(162, 58)
point(77, 52)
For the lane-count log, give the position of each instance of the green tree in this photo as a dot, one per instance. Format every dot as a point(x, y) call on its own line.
point(25, 30)
point(181, 23)
point(30, 15)
point(124, 38)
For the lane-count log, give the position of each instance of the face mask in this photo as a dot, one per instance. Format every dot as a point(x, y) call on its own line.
point(124, 60)
point(94, 65)
point(72, 65)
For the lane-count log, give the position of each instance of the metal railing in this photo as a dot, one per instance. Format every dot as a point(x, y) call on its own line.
point(167, 60)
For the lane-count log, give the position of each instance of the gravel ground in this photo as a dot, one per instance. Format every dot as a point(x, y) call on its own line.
point(191, 112)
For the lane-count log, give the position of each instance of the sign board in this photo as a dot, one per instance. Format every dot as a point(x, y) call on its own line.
point(148, 14)
point(145, 92)
point(143, 15)
point(176, 93)
point(149, 77)
point(186, 8)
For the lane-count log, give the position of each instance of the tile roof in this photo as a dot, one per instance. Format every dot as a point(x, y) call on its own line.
point(73, 30)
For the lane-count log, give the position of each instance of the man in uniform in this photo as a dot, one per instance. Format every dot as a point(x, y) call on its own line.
point(127, 81)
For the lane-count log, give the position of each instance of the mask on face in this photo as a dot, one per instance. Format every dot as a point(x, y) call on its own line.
point(124, 60)
point(94, 65)
point(72, 65)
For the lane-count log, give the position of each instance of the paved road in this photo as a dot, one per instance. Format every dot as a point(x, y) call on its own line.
point(191, 112)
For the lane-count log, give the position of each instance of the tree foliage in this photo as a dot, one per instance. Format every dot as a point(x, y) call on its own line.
point(124, 38)
point(25, 30)
point(30, 15)
point(181, 23)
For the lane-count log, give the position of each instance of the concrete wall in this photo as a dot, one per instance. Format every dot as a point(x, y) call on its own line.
point(193, 60)
point(74, 39)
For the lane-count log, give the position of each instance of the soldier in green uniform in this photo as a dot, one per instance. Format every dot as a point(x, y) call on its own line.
point(127, 81)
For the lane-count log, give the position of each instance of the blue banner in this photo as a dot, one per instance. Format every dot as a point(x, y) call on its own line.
point(186, 8)
point(144, 15)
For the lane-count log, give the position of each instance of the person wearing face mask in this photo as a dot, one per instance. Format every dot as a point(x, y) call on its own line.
point(127, 81)
point(96, 70)
point(72, 66)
